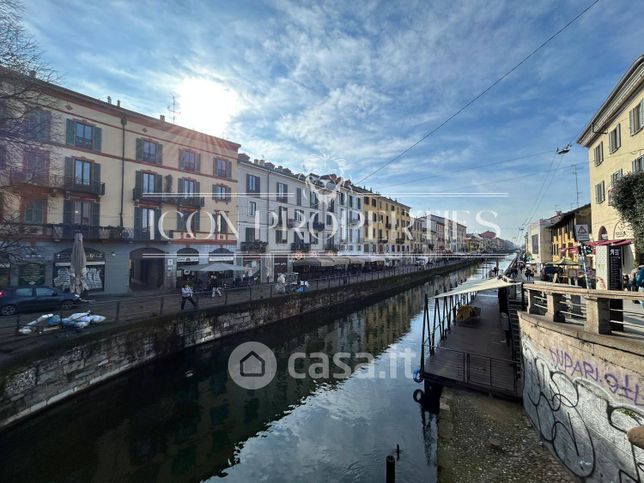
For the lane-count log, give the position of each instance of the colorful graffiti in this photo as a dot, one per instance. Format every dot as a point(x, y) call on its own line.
point(577, 415)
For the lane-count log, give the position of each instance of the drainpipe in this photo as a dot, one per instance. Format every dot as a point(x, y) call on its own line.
point(123, 123)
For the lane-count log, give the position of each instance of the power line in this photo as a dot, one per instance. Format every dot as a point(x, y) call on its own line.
point(485, 91)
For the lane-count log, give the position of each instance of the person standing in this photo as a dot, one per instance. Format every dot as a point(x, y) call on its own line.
point(639, 280)
point(186, 295)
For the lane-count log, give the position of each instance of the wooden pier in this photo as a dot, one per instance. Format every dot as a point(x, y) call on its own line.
point(475, 353)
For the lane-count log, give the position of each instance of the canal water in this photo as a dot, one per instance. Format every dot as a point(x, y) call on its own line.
point(183, 419)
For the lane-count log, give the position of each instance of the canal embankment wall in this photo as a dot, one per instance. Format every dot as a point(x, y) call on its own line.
point(583, 392)
point(37, 379)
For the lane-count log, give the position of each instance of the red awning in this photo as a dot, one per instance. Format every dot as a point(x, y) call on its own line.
point(615, 243)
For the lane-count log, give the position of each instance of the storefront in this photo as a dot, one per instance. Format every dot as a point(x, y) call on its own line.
point(280, 265)
point(186, 258)
point(31, 273)
point(94, 277)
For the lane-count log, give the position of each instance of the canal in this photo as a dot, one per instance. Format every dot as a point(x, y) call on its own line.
point(183, 419)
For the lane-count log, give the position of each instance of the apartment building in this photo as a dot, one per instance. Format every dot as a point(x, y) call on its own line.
point(564, 235)
point(615, 141)
point(394, 225)
point(151, 198)
point(418, 230)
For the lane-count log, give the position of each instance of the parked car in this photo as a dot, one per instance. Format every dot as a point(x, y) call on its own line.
point(34, 299)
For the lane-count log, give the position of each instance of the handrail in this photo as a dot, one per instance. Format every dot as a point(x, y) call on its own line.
point(558, 288)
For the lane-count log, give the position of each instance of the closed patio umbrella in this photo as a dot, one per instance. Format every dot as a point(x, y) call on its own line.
point(78, 265)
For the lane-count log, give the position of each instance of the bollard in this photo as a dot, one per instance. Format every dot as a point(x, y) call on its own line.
point(391, 469)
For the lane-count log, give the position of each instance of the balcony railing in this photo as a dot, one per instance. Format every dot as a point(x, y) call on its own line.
point(253, 246)
point(65, 231)
point(21, 177)
point(317, 226)
point(331, 247)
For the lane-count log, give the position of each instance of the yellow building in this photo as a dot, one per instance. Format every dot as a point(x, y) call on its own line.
point(144, 193)
point(615, 141)
point(563, 234)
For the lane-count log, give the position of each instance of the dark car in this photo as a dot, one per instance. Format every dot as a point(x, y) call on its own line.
point(35, 299)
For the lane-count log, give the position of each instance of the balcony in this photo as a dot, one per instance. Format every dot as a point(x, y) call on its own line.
point(91, 187)
point(294, 223)
point(20, 177)
point(139, 195)
point(401, 241)
point(61, 231)
point(254, 246)
point(331, 247)
point(317, 226)
point(186, 200)
point(300, 246)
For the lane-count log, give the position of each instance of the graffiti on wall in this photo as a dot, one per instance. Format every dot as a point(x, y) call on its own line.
point(581, 417)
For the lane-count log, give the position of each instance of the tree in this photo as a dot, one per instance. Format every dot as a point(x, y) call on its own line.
point(24, 119)
point(628, 200)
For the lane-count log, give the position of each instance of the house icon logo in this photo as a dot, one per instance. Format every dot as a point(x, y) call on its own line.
point(252, 365)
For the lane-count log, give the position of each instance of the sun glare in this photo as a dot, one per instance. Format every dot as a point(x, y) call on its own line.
point(206, 106)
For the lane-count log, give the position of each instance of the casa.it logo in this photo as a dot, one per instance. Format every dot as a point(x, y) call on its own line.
point(252, 365)
point(326, 188)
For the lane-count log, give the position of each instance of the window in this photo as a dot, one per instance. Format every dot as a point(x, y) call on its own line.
point(148, 216)
point(182, 221)
point(221, 225)
point(282, 193)
point(250, 234)
point(299, 215)
point(366, 200)
point(187, 186)
point(35, 211)
point(82, 213)
point(82, 172)
point(189, 160)
point(221, 192)
point(350, 201)
point(38, 125)
point(24, 292)
point(342, 198)
point(37, 162)
point(223, 168)
point(614, 139)
point(615, 177)
point(83, 135)
point(636, 118)
point(44, 292)
point(149, 151)
point(282, 213)
point(252, 208)
point(373, 202)
point(298, 196)
point(359, 203)
point(638, 165)
point(599, 154)
point(600, 192)
point(148, 181)
point(314, 200)
point(252, 184)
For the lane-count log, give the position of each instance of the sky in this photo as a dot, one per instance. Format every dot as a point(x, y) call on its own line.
point(346, 86)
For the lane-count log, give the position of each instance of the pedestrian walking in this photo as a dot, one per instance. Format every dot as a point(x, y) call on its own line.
point(186, 295)
point(215, 286)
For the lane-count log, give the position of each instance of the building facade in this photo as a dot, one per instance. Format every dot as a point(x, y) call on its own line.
point(615, 141)
point(151, 198)
point(564, 236)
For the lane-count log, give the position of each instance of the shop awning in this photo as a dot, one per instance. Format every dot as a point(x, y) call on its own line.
point(478, 286)
point(314, 262)
point(614, 243)
point(339, 261)
point(357, 260)
point(218, 267)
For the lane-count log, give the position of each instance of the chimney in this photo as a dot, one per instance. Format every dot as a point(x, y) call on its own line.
point(109, 99)
point(162, 118)
point(118, 103)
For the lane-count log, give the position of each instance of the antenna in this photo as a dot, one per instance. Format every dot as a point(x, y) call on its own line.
point(173, 108)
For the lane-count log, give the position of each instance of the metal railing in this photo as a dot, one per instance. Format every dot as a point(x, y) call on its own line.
point(132, 309)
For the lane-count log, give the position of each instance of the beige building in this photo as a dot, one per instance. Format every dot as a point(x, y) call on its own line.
point(151, 198)
point(615, 141)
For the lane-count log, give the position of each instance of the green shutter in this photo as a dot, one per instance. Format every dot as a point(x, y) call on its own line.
point(181, 222)
point(70, 133)
point(180, 186)
point(159, 153)
point(157, 217)
point(158, 184)
point(68, 212)
point(137, 222)
point(181, 159)
point(197, 221)
point(139, 149)
point(96, 175)
point(213, 191)
point(97, 138)
point(69, 172)
point(198, 163)
point(197, 189)
point(96, 214)
point(229, 170)
point(138, 183)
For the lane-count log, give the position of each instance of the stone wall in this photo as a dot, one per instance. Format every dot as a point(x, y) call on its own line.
point(64, 367)
point(583, 392)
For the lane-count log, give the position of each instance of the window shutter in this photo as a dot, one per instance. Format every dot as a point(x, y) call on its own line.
point(69, 171)
point(198, 163)
point(138, 182)
point(139, 149)
point(180, 222)
point(96, 214)
point(46, 119)
point(158, 183)
point(159, 153)
point(181, 165)
point(97, 138)
point(631, 121)
point(138, 222)
point(70, 132)
point(229, 169)
point(68, 212)
point(96, 175)
point(619, 136)
point(157, 217)
point(197, 221)
point(213, 191)
point(641, 116)
point(197, 189)
point(180, 186)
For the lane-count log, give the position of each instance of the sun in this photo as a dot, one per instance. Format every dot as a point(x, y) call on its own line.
point(206, 105)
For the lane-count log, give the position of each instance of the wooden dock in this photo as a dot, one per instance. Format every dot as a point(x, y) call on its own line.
point(476, 354)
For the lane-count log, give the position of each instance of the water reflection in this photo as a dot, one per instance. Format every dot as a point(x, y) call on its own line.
point(183, 419)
